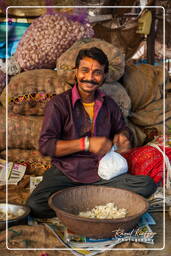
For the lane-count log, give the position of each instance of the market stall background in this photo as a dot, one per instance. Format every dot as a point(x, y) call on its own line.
point(42, 46)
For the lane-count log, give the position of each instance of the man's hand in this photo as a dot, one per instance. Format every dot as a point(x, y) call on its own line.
point(100, 145)
point(122, 142)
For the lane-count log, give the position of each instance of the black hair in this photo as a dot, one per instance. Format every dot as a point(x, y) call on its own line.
point(94, 53)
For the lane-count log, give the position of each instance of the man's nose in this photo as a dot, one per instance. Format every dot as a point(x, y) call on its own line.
point(89, 76)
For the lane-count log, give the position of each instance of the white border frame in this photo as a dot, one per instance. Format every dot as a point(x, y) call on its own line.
point(70, 249)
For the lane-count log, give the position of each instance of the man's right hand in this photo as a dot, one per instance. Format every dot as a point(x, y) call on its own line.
point(100, 145)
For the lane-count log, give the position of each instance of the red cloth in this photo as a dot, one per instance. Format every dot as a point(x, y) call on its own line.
point(147, 160)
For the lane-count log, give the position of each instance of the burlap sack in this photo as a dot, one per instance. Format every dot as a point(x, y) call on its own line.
point(122, 36)
point(23, 131)
point(153, 113)
point(66, 62)
point(47, 38)
point(120, 96)
point(144, 83)
point(35, 162)
point(23, 236)
point(16, 194)
point(29, 91)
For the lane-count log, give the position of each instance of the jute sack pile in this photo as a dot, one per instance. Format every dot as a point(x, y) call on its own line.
point(66, 62)
point(144, 84)
point(23, 131)
point(35, 162)
point(47, 38)
point(29, 91)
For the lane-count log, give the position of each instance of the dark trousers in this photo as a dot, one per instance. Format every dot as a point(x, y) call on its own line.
point(54, 180)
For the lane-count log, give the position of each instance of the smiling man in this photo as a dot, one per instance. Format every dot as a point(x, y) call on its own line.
point(80, 126)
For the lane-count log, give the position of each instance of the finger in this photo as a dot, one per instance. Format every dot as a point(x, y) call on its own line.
point(116, 140)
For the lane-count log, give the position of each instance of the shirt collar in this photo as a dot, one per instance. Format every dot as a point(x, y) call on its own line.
point(99, 95)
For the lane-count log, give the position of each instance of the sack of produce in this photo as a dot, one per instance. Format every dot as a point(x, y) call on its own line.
point(35, 162)
point(23, 131)
point(146, 80)
point(120, 96)
point(66, 62)
point(47, 38)
point(147, 103)
point(121, 35)
point(29, 91)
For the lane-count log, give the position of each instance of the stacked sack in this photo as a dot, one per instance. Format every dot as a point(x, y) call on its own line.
point(28, 92)
point(47, 38)
point(146, 117)
point(43, 42)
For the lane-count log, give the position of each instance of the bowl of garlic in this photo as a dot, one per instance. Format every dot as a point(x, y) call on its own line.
point(98, 211)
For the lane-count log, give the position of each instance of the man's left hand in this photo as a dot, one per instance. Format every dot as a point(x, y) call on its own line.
point(122, 142)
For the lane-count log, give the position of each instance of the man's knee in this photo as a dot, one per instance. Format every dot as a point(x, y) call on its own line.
point(149, 185)
point(35, 208)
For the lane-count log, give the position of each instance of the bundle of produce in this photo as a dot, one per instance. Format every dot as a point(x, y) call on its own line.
point(66, 62)
point(47, 38)
point(23, 131)
point(29, 91)
point(35, 162)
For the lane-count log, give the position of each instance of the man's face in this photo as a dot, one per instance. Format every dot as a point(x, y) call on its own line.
point(90, 75)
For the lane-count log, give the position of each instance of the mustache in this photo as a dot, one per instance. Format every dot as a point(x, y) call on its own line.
point(89, 82)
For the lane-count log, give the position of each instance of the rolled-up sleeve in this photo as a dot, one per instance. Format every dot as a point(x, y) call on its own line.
point(51, 129)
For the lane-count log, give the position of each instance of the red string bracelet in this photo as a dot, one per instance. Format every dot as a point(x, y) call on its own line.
point(82, 143)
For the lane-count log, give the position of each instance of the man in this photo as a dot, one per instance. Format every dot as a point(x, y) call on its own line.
point(80, 126)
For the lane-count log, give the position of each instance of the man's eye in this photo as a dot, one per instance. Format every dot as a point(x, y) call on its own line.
point(84, 70)
point(98, 73)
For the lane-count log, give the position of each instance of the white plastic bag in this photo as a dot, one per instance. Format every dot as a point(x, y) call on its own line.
point(112, 165)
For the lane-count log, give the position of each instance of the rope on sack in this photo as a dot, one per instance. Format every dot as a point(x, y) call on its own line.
point(167, 163)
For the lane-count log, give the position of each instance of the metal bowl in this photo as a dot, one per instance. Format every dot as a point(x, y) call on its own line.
point(19, 211)
point(69, 202)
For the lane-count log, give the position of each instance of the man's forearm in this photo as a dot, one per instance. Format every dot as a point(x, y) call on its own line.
point(67, 147)
point(96, 145)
